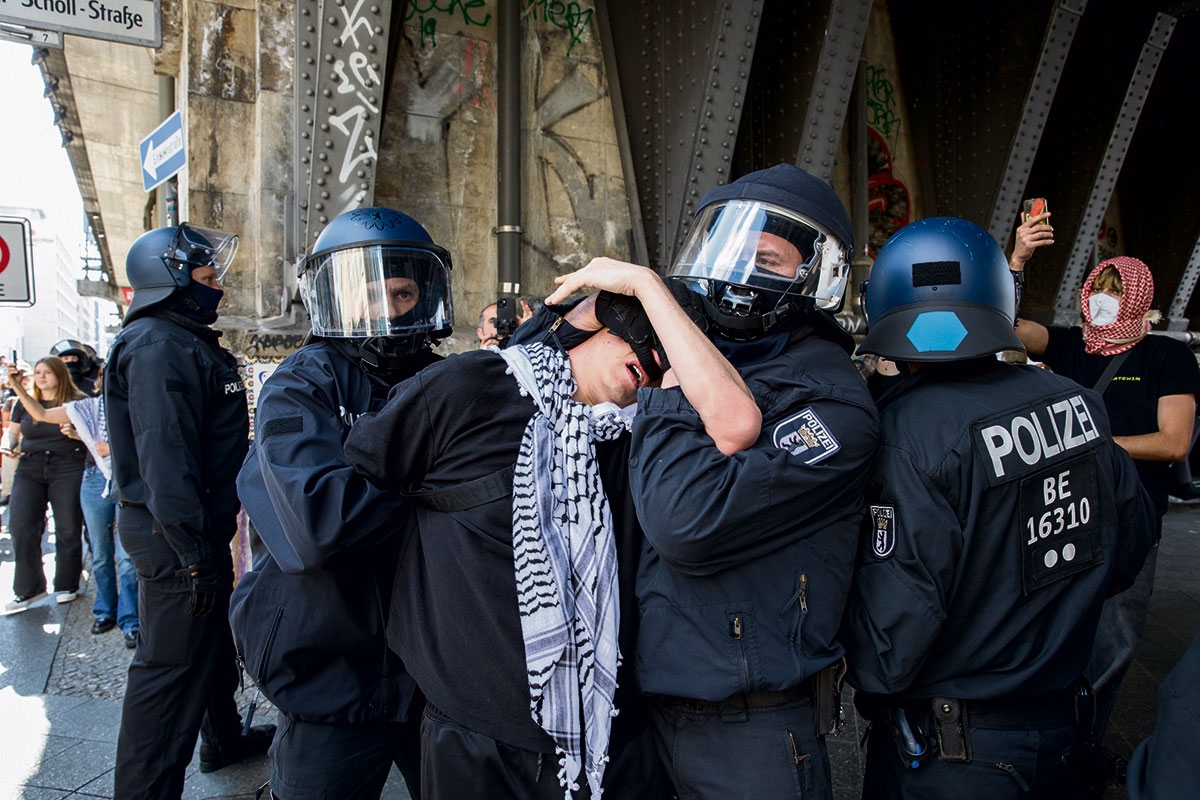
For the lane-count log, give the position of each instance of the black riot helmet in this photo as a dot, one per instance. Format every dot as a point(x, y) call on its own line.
point(376, 276)
point(84, 356)
point(160, 261)
point(764, 249)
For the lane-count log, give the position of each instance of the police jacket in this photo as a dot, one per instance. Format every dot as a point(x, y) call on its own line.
point(1000, 516)
point(748, 563)
point(309, 620)
point(178, 429)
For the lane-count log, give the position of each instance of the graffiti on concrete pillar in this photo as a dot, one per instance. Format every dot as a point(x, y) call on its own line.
point(471, 12)
point(570, 17)
point(882, 108)
point(889, 206)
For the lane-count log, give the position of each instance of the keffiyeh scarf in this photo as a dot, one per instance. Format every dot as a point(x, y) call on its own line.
point(565, 559)
point(1135, 317)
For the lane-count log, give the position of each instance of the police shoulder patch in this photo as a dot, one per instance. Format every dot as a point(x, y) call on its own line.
point(883, 531)
point(806, 435)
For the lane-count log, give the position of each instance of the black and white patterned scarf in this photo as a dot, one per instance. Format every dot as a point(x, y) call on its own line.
point(565, 558)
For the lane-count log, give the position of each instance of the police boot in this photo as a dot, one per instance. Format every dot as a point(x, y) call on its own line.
point(257, 741)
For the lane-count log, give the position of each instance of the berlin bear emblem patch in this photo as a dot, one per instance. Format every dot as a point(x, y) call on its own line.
point(806, 435)
point(883, 531)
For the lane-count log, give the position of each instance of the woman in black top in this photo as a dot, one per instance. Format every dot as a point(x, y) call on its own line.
point(50, 471)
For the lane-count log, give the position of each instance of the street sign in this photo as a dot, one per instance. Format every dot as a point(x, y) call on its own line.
point(163, 152)
point(23, 35)
point(16, 262)
point(128, 21)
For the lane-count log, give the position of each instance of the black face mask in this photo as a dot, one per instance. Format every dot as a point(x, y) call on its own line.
point(198, 302)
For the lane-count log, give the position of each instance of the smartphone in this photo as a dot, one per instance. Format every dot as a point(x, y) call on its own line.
point(1034, 206)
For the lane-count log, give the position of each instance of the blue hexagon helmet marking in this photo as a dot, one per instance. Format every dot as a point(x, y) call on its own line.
point(936, 330)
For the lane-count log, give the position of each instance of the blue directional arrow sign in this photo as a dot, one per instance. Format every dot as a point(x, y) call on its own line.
point(163, 153)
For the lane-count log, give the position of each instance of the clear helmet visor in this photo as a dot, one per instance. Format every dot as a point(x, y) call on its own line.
point(377, 290)
point(193, 246)
point(760, 246)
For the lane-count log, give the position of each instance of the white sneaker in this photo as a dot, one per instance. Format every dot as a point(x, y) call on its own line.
point(19, 604)
point(65, 597)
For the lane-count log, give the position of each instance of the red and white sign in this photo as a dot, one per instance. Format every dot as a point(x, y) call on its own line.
point(127, 295)
point(16, 262)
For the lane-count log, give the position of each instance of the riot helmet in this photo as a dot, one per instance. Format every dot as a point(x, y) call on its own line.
point(161, 261)
point(764, 249)
point(80, 359)
point(940, 290)
point(375, 275)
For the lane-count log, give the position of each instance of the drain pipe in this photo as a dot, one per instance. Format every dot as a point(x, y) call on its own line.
point(168, 208)
point(851, 316)
point(508, 119)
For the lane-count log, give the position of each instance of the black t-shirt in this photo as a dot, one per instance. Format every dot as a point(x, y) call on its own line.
point(44, 437)
point(1156, 367)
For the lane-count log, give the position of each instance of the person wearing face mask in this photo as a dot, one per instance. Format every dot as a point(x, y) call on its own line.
point(1150, 399)
point(178, 430)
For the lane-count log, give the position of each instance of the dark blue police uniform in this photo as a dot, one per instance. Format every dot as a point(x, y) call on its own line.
point(310, 619)
point(742, 585)
point(178, 428)
point(1000, 515)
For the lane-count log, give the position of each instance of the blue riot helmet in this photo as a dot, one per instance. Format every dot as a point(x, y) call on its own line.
point(764, 249)
point(161, 261)
point(376, 276)
point(940, 290)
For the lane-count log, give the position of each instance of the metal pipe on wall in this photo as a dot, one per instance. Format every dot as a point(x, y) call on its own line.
point(508, 163)
point(165, 194)
point(850, 316)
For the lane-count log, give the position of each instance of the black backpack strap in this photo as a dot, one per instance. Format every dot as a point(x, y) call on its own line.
point(1110, 371)
point(467, 495)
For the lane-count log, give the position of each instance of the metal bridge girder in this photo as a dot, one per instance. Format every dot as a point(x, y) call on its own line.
point(830, 98)
point(340, 66)
point(1079, 262)
point(1056, 44)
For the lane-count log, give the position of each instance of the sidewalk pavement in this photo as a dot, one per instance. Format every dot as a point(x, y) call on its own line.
point(61, 690)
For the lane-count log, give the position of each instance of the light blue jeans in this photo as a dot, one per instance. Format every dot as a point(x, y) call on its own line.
point(116, 578)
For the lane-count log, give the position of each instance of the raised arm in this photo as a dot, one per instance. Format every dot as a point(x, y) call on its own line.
point(709, 382)
point(55, 416)
point(1033, 233)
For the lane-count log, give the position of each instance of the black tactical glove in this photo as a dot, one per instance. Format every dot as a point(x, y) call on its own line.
point(207, 581)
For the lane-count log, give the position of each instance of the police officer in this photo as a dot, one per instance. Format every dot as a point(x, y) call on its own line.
point(81, 361)
point(742, 587)
point(1001, 514)
point(310, 619)
point(178, 431)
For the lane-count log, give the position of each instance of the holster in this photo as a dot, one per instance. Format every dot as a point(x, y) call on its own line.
point(953, 732)
point(827, 698)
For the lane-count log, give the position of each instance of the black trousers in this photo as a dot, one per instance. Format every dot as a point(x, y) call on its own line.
point(183, 674)
point(43, 478)
point(460, 764)
point(729, 751)
point(317, 761)
point(1006, 764)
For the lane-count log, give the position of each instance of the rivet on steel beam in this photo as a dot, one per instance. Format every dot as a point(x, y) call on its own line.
point(324, 219)
point(337, 42)
point(363, 185)
point(360, 174)
point(330, 110)
point(326, 93)
point(329, 58)
point(322, 156)
point(324, 126)
point(371, 48)
point(324, 195)
point(319, 206)
point(304, 135)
